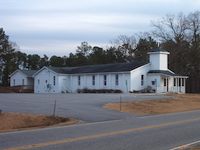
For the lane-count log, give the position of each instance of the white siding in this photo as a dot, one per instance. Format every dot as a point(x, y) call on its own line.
point(17, 79)
point(159, 61)
point(163, 62)
point(44, 82)
point(136, 78)
point(62, 84)
point(156, 79)
point(86, 81)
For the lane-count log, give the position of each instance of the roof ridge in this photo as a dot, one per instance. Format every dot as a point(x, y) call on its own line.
point(158, 49)
point(112, 67)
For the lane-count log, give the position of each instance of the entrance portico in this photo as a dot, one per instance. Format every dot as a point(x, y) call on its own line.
point(167, 81)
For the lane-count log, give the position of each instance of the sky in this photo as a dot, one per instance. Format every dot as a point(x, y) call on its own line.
point(57, 27)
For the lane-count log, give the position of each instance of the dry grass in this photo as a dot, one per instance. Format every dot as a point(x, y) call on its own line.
point(179, 103)
point(16, 89)
point(16, 121)
point(195, 147)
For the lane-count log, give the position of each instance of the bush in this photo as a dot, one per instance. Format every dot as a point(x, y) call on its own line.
point(86, 90)
point(148, 89)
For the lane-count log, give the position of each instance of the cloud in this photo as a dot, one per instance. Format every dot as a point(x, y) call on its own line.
point(33, 23)
point(92, 27)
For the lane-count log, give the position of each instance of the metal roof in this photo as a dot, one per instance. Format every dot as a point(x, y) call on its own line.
point(165, 72)
point(117, 67)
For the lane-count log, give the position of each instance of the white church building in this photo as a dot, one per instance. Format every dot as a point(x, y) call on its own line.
point(127, 77)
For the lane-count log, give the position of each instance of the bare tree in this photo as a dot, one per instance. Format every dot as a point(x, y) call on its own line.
point(171, 28)
point(125, 44)
point(194, 26)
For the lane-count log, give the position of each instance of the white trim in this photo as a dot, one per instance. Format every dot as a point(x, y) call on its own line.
point(42, 70)
point(18, 70)
point(181, 76)
point(159, 52)
point(170, 71)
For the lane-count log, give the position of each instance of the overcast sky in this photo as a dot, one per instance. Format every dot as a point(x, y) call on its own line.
point(59, 26)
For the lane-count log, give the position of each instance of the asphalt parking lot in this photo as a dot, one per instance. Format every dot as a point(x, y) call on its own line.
point(85, 107)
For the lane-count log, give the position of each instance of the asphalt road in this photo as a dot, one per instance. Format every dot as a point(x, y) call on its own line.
point(86, 107)
point(116, 131)
point(142, 133)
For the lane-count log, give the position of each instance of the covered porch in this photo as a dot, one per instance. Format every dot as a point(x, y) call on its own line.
point(167, 81)
point(174, 84)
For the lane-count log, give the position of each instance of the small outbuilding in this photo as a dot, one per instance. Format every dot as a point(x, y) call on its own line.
point(23, 78)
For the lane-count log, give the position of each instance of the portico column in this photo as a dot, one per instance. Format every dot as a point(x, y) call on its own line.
point(177, 84)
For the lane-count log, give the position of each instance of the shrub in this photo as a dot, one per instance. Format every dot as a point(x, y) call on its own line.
point(148, 89)
point(86, 90)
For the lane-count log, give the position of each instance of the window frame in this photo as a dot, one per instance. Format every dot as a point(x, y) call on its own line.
point(105, 80)
point(93, 80)
point(117, 79)
point(54, 80)
point(142, 80)
point(79, 80)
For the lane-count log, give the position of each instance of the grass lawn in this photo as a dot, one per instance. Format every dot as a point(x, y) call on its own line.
point(179, 103)
point(18, 121)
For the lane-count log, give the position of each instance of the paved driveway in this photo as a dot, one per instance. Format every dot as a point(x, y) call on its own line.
point(86, 107)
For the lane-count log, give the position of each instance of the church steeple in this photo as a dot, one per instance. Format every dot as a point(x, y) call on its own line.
point(158, 59)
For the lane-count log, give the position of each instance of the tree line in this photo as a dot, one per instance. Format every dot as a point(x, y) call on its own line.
point(179, 34)
point(124, 49)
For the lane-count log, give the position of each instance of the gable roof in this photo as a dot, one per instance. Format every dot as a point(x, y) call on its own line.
point(117, 67)
point(28, 73)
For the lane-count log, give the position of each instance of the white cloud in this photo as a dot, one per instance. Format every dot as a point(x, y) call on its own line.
point(28, 22)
